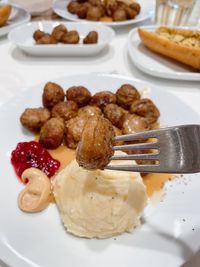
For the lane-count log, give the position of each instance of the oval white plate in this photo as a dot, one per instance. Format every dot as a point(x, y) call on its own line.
point(147, 7)
point(22, 37)
point(165, 237)
point(154, 64)
point(17, 17)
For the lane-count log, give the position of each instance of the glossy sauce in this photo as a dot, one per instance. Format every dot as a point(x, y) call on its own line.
point(154, 182)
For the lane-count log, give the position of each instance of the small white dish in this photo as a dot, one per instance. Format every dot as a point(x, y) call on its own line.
point(22, 37)
point(147, 8)
point(155, 64)
point(17, 17)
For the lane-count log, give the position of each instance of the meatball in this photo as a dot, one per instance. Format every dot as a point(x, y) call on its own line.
point(52, 94)
point(82, 11)
point(136, 7)
point(117, 132)
point(34, 118)
point(119, 15)
point(95, 147)
point(130, 13)
point(59, 31)
point(115, 114)
point(38, 34)
point(126, 95)
point(111, 8)
point(94, 13)
point(52, 133)
point(71, 37)
point(95, 2)
point(73, 6)
point(91, 38)
point(90, 111)
point(46, 39)
point(134, 124)
point(74, 128)
point(102, 99)
point(65, 110)
point(79, 94)
point(145, 108)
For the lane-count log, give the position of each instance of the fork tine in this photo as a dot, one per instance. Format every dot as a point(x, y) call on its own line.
point(135, 168)
point(137, 136)
point(136, 157)
point(140, 146)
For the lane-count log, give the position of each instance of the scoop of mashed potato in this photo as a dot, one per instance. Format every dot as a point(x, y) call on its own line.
point(99, 203)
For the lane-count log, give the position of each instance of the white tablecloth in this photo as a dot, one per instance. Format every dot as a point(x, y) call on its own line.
point(18, 72)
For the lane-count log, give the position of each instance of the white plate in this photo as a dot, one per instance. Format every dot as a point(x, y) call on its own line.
point(154, 64)
point(165, 237)
point(22, 37)
point(147, 7)
point(17, 17)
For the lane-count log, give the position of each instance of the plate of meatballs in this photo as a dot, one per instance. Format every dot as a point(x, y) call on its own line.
point(109, 12)
point(58, 113)
point(50, 38)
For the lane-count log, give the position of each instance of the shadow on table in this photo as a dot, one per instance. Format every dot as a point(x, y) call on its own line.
point(2, 264)
point(104, 55)
point(3, 39)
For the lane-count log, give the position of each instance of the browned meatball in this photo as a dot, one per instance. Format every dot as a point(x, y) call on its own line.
point(134, 124)
point(130, 13)
point(94, 13)
point(145, 108)
point(65, 110)
point(95, 148)
point(79, 94)
point(52, 133)
point(74, 128)
point(90, 111)
point(38, 34)
point(102, 99)
point(59, 31)
point(71, 37)
point(46, 39)
point(115, 114)
point(117, 132)
point(34, 118)
point(111, 8)
point(73, 6)
point(95, 2)
point(82, 11)
point(126, 95)
point(91, 38)
point(119, 15)
point(136, 7)
point(52, 94)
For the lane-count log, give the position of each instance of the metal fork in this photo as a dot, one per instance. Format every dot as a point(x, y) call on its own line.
point(178, 150)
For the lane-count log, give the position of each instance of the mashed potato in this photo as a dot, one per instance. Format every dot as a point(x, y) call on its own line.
point(99, 203)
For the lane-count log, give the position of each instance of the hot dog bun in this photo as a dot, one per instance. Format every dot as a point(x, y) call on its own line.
point(179, 44)
point(4, 14)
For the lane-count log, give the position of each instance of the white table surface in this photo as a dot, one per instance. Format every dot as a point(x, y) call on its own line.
point(19, 72)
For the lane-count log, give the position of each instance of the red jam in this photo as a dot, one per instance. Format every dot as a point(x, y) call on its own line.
point(32, 154)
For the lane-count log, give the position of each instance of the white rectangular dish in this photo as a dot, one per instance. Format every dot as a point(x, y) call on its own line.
point(22, 37)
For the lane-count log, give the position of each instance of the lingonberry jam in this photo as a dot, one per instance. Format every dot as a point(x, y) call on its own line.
point(32, 154)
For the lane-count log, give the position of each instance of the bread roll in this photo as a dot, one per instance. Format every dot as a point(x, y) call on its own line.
point(179, 44)
point(4, 14)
